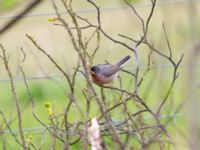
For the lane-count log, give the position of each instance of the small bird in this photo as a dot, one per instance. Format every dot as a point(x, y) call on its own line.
point(106, 73)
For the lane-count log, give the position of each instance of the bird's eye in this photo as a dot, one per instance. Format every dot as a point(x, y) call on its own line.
point(93, 68)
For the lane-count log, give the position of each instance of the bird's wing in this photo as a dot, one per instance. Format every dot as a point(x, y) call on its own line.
point(108, 70)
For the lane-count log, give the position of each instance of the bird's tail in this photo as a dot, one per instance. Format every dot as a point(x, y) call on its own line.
point(125, 59)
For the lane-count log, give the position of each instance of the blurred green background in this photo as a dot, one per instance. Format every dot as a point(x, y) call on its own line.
point(182, 22)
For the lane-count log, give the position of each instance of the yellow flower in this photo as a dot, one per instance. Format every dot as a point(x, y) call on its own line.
point(49, 108)
point(29, 138)
point(50, 112)
point(52, 19)
point(47, 105)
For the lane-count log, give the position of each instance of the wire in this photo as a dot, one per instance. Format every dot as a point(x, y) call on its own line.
point(42, 129)
point(26, 130)
point(61, 76)
point(42, 77)
point(104, 9)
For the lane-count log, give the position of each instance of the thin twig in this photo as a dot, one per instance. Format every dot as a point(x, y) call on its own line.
point(16, 100)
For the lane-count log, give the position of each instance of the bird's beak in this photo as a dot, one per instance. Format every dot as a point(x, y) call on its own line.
point(92, 72)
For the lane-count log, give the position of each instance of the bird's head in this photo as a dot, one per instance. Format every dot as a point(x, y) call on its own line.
point(94, 70)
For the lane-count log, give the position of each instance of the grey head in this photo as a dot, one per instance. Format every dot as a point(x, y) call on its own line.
point(95, 69)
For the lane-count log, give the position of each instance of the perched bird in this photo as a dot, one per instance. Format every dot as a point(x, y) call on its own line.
point(104, 74)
